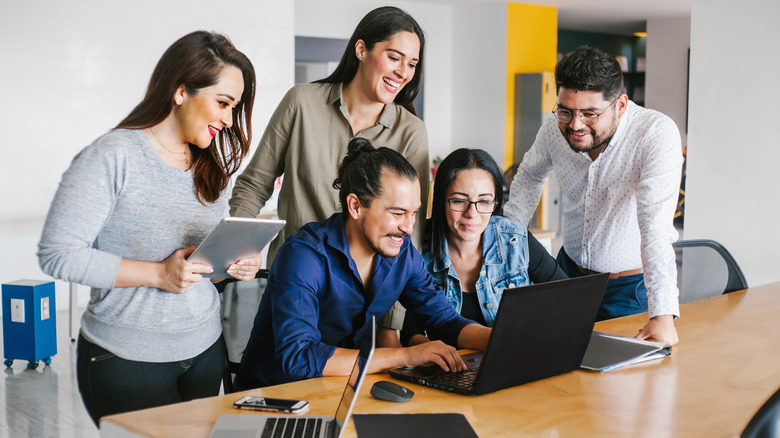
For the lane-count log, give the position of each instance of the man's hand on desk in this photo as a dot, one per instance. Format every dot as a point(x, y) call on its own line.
point(661, 329)
point(437, 352)
point(429, 353)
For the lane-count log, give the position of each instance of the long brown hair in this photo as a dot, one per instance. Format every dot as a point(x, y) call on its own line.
point(195, 61)
point(377, 26)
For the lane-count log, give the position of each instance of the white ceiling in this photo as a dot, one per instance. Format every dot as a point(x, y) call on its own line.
point(614, 16)
point(606, 16)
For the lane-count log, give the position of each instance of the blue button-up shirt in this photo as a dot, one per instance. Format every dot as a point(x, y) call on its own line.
point(504, 265)
point(315, 301)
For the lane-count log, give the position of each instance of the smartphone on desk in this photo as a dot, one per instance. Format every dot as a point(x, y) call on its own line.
point(271, 404)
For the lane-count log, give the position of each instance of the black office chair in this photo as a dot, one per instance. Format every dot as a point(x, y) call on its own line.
point(237, 320)
point(705, 268)
point(229, 372)
point(764, 422)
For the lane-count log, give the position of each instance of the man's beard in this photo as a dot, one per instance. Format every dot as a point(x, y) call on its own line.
point(378, 250)
point(597, 141)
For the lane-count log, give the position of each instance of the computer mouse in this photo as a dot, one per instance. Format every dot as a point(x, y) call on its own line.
point(387, 390)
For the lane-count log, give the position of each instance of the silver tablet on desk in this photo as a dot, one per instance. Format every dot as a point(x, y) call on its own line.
point(233, 239)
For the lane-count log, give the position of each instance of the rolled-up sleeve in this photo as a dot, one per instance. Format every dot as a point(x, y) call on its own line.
point(256, 183)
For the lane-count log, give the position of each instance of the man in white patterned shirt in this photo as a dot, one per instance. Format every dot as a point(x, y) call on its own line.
point(619, 166)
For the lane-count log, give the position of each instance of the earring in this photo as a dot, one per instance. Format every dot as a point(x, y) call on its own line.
point(360, 59)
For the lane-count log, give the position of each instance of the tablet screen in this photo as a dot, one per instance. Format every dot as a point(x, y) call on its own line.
point(233, 239)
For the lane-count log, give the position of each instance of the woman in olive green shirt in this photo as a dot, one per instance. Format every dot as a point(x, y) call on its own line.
point(369, 95)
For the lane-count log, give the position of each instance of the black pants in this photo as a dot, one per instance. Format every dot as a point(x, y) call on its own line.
point(111, 385)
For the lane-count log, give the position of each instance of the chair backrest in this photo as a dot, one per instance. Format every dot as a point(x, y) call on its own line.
point(764, 423)
point(705, 268)
point(240, 300)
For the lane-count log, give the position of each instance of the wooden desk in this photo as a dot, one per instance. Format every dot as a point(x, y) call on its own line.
point(726, 365)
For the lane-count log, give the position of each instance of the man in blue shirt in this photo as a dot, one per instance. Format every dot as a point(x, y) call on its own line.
point(330, 277)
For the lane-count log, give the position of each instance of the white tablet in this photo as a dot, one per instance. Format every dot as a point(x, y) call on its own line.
point(233, 239)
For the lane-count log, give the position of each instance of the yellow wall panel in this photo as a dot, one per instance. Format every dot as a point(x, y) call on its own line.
point(532, 45)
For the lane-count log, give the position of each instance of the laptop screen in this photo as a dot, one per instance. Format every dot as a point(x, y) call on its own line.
point(352, 389)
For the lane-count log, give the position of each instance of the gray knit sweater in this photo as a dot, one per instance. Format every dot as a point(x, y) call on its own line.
point(119, 199)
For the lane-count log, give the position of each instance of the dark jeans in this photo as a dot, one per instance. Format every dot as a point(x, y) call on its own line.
point(111, 385)
point(624, 295)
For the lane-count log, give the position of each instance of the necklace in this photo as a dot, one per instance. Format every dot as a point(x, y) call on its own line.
point(186, 159)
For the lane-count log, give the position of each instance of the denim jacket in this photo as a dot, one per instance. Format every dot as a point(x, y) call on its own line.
point(505, 264)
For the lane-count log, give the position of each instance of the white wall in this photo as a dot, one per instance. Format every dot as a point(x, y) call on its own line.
point(338, 19)
point(666, 83)
point(479, 77)
point(733, 142)
point(73, 70)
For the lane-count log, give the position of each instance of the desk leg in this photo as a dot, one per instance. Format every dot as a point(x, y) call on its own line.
point(72, 309)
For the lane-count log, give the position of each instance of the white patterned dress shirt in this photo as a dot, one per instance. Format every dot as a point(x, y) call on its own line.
point(617, 209)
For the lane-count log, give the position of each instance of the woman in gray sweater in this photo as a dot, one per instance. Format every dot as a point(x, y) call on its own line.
point(128, 212)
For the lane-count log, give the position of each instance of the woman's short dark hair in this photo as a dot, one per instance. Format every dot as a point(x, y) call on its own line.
point(377, 26)
point(590, 69)
point(460, 159)
point(361, 171)
point(196, 61)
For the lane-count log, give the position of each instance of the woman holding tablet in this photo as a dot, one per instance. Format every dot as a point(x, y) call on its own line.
point(128, 212)
point(471, 251)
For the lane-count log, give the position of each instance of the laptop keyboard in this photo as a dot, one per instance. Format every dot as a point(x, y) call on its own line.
point(463, 379)
point(292, 428)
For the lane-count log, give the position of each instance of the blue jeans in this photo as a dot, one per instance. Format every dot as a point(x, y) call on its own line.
point(624, 295)
point(112, 385)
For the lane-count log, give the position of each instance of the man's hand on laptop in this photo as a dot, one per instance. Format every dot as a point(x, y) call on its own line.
point(660, 328)
point(436, 352)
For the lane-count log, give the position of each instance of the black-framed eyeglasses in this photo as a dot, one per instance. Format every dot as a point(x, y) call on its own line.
point(482, 206)
point(587, 117)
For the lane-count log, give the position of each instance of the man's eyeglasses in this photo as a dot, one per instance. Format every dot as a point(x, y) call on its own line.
point(461, 205)
point(588, 117)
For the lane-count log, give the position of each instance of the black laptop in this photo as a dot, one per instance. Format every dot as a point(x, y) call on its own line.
point(540, 331)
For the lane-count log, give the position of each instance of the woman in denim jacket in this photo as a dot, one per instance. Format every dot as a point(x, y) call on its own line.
point(472, 252)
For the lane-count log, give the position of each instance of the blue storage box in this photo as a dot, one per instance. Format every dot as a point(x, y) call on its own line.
point(29, 322)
